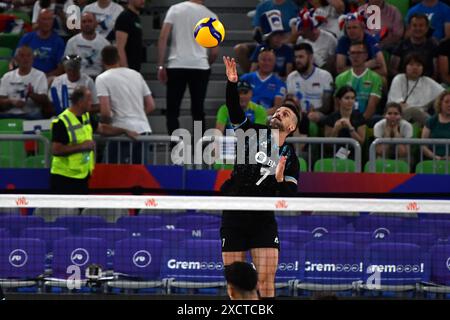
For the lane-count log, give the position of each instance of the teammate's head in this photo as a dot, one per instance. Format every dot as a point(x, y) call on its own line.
point(110, 56)
point(88, 23)
point(304, 57)
point(286, 118)
point(242, 280)
point(81, 99)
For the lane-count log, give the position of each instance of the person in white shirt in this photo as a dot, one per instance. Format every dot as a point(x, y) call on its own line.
point(23, 91)
point(63, 86)
point(59, 8)
point(88, 44)
point(125, 102)
point(106, 13)
point(306, 29)
point(414, 91)
point(188, 63)
point(310, 85)
point(392, 126)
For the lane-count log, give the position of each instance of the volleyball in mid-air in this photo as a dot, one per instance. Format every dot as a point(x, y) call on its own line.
point(209, 32)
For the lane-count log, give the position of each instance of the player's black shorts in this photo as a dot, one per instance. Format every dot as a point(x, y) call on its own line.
point(249, 235)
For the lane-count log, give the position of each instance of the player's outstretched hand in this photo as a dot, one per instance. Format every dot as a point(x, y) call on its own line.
point(231, 71)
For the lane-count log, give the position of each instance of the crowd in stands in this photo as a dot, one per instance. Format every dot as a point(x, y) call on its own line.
point(324, 55)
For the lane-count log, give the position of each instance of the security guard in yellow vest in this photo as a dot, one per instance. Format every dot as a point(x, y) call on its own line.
point(73, 145)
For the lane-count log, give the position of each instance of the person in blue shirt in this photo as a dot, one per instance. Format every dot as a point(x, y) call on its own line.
point(48, 47)
point(439, 15)
point(268, 90)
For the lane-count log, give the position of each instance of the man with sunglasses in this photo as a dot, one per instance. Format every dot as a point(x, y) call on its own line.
point(258, 172)
point(62, 87)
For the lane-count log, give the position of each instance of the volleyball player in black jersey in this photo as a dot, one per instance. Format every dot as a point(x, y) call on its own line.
point(274, 172)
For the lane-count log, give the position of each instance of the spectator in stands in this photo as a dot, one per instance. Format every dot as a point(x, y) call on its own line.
point(347, 122)
point(59, 9)
point(286, 8)
point(418, 42)
point(254, 112)
point(106, 13)
point(414, 91)
point(188, 63)
point(242, 281)
point(392, 126)
point(23, 91)
point(88, 45)
point(274, 38)
point(312, 86)
point(444, 62)
point(392, 27)
point(355, 32)
point(73, 145)
point(48, 47)
point(439, 15)
point(307, 30)
point(268, 90)
point(125, 101)
point(438, 127)
point(330, 10)
point(63, 86)
point(367, 83)
point(129, 36)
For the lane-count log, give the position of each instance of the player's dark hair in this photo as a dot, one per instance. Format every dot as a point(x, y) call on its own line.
point(110, 55)
point(241, 275)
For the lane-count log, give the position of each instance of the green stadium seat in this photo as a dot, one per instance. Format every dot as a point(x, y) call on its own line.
point(388, 166)
point(14, 149)
point(34, 162)
point(5, 53)
point(20, 15)
point(402, 5)
point(433, 167)
point(313, 129)
point(303, 165)
point(334, 165)
point(4, 67)
point(10, 40)
point(222, 166)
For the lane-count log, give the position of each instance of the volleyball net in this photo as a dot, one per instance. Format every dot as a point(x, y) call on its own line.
point(169, 245)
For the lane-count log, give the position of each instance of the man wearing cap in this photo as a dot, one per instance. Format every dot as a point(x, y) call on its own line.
point(62, 86)
point(73, 146)
point(306, 29)
point(271, 34)
point(354, 31)
point(254, 112)
point(275, 38)
point(23, 91)
point(258, 173)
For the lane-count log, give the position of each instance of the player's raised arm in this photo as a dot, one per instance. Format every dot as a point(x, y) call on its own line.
point(237, 115)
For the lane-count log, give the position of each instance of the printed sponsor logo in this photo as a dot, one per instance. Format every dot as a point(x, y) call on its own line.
point(142, 258)
point(194, 265)
point(18, 258)
point(79, 257)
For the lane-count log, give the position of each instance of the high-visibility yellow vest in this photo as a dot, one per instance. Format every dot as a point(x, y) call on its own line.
point(77, 165)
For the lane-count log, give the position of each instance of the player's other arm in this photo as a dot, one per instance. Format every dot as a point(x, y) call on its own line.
point(237, 115)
